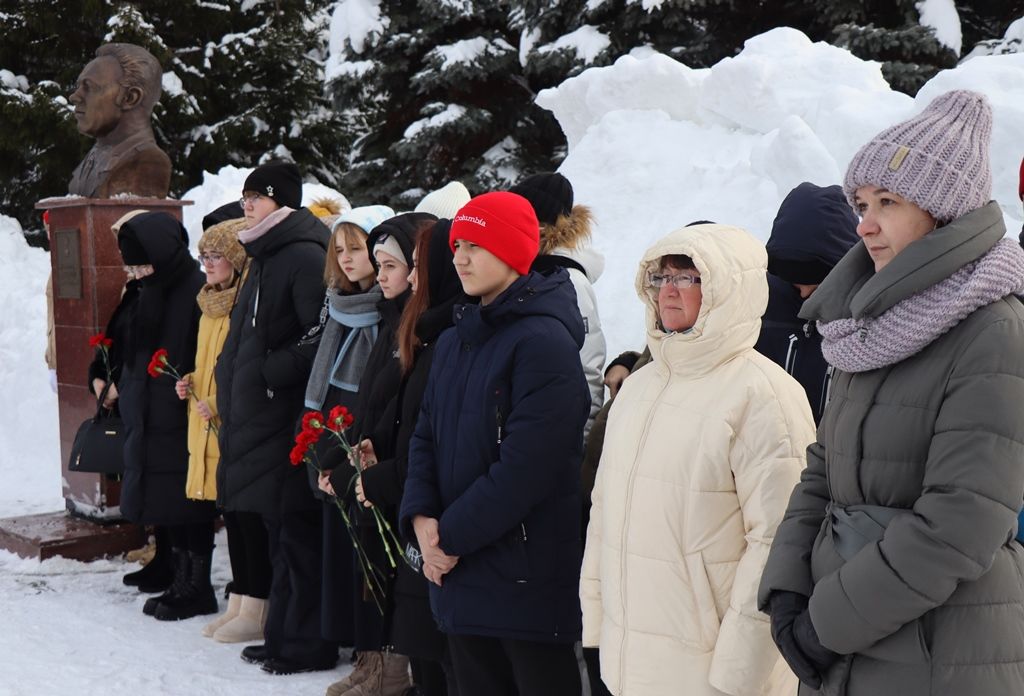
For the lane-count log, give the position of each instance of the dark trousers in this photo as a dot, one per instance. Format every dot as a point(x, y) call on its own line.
point(592, 656)
point(196, 537)
point(506, 667)
point(433, 678)
point(249, 550)
point(293, 616)
point(338, 609)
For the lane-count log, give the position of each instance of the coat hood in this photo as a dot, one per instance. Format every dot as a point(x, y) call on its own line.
point(732, 265)
point(855, 290)
point(530, 295)
point(165, 242)
point(814, 228)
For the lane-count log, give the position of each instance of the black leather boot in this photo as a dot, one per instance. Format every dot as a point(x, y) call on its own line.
point(178, 586)
point(158, 574)
point(196, 598)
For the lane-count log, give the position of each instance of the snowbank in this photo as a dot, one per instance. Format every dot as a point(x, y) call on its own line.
point(654, 144)
point(29, 435)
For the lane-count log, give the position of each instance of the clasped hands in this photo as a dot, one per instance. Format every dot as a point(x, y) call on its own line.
point(436, 563)
point(796, 638)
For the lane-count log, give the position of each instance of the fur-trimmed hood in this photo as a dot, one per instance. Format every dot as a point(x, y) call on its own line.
point(570, 237)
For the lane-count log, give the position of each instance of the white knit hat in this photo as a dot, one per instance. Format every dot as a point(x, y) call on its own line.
point(445, 201)
point(365, 217)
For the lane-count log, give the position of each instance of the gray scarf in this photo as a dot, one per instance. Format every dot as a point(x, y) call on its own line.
point(348, 338)
point(906, 328)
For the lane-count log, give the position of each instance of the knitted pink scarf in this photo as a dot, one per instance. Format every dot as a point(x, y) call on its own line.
point(859, 345)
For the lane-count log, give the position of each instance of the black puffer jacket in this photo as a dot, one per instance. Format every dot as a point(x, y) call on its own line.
point(814, 228)
point(163, 314)
point(262, 371)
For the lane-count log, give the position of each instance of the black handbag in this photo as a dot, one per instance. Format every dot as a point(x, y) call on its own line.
point(99, 442)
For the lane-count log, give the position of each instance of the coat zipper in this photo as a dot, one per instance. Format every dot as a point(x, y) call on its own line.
point(625, 527)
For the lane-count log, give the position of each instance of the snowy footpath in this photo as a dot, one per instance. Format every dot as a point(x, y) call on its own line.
point(653, 145)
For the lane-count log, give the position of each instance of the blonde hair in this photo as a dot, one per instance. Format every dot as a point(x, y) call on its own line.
point(334, 277)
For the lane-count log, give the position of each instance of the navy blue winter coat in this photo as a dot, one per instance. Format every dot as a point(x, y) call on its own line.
point(495, 458)
point(814, 228)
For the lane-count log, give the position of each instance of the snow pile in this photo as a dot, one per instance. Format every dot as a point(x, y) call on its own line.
point(654, 145)
point(1012, 42)
point(29, 434)
point(942, 17)
point(355, 24)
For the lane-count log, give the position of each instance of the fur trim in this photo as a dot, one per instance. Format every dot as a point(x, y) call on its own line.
point(324, 207)
point(568, 232)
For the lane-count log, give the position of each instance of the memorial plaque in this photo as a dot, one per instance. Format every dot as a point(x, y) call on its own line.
point(69, 264)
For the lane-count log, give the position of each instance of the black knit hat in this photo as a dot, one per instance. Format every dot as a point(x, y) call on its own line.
point(229, 211)
point(549, 193)
point(403, 229)
point(280, 181)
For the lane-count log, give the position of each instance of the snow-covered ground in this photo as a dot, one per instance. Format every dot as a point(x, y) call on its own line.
point(652, 145)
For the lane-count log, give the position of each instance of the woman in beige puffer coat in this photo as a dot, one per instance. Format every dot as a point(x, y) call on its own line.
point(703, 448)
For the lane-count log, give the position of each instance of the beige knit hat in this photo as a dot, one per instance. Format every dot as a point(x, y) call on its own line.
point(222, 238)
point(938, 160)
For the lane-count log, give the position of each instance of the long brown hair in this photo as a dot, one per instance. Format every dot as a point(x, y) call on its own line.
point(334, 277)
point(407, 339)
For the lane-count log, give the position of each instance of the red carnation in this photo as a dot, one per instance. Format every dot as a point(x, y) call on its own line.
point(100, 340)
point(313, 421)
point(307, 438)
point(298, 453)
point(339, 419)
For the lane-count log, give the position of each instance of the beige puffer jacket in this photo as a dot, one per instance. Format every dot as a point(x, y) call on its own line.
point(703, 448)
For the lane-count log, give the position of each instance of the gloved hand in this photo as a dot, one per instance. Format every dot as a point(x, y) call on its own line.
point(807, 640)
point(785, 608)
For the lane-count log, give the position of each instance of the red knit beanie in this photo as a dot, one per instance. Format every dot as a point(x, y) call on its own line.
point(504, 224)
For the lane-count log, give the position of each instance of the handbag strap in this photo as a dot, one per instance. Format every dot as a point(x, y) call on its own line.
point(103, 397)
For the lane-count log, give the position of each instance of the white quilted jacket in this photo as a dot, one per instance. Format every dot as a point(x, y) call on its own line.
point(703, 448)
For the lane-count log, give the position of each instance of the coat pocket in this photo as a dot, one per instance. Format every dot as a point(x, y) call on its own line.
point(705, 612)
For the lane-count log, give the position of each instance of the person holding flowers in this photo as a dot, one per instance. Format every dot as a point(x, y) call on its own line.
point(391, 243)
point(223, 261)
point(351, 320)
point(163, 316)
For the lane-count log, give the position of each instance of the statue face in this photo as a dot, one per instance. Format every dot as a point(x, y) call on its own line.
point(97, 97)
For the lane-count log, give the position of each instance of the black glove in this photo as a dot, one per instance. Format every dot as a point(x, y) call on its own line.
point(807, 640)
point(785, 608)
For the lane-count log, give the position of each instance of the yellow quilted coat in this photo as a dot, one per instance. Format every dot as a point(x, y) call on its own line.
point(203, 450)
point(703, 447)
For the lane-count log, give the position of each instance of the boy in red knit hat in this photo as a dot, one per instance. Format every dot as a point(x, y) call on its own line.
point(492, 494)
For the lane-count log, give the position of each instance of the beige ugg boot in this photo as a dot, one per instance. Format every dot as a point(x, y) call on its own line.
point(248, 625)
point(367, 664)
point(390, 678)
point(234, 605)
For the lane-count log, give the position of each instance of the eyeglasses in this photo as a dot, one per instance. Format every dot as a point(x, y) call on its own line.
point(210, 259)
point(680, 281)
point(250, 199)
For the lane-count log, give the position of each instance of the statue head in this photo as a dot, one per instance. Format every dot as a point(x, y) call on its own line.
point(123, 80)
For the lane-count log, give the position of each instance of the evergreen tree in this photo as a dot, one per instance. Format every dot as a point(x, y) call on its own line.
point(243, 82)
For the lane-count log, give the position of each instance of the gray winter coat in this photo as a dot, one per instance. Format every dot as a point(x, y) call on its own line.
point(936, 607)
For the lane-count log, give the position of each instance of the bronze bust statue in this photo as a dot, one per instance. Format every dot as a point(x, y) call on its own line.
point(114, 99)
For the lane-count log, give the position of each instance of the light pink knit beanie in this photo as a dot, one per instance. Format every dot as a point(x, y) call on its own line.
point(938, 160)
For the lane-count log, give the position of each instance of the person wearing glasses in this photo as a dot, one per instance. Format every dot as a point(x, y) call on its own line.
point(261, 377)
point(702, 448)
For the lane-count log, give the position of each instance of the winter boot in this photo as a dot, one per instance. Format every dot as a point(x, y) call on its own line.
point(179, 584)
point(234, 604)
point(197, 598)
point(390, 678)
point(248, 625)
point(157, 575)
point(367, 663)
